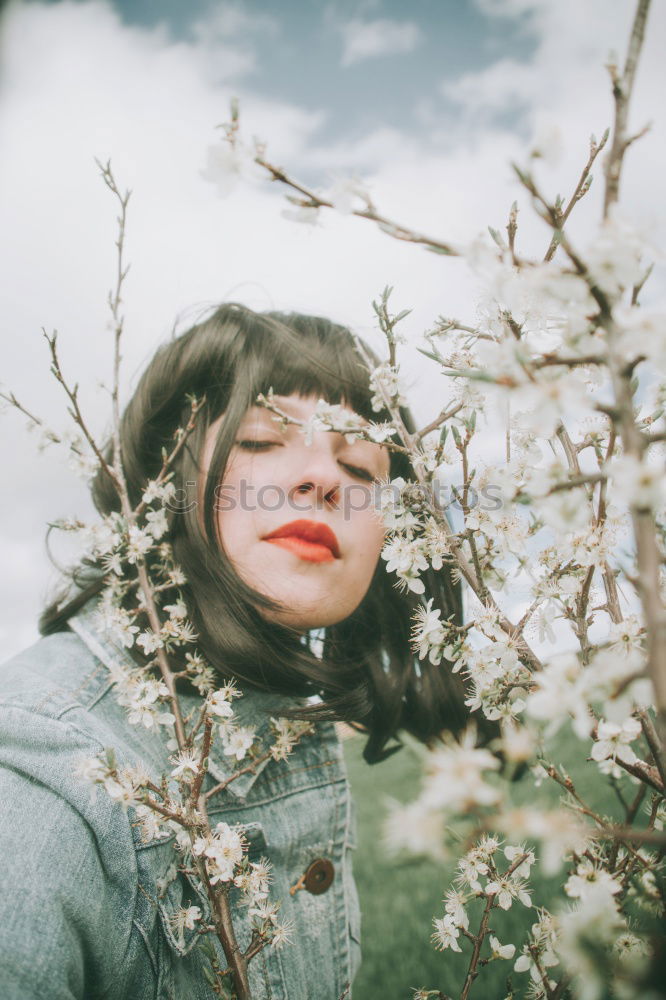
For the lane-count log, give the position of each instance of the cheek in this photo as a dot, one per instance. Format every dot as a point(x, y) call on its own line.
point(369, 534)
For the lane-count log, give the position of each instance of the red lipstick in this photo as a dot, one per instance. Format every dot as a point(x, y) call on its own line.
point(309, 540)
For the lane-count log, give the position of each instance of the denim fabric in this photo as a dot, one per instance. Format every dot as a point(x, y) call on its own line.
point(85, 905)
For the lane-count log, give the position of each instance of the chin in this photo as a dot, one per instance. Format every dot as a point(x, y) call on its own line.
point(308, 618)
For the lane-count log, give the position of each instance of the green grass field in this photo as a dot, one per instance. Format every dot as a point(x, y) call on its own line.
point(400, 896)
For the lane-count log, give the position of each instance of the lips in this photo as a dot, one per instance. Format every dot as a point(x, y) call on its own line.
point(310, 540)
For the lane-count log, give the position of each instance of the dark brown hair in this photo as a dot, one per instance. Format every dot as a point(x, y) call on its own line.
point(368, 674)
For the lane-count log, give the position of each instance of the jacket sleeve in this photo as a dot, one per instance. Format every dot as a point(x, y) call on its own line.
point(67, 880)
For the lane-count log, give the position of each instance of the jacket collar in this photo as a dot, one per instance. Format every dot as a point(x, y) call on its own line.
point(255, 708)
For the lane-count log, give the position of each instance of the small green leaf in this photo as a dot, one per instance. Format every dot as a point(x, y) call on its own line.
point(208, 975)
point(431, 355)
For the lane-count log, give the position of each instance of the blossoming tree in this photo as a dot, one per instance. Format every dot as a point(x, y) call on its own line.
point(564, 357)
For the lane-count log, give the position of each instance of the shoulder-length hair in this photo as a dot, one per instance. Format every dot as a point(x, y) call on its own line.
point(368, 674)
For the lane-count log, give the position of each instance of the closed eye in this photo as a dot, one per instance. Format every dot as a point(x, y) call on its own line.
point(359, 473)
point(251, 445)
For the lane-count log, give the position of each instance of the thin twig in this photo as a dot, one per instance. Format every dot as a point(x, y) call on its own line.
point(582, 188)
point(399, 232)
point(622, 91)
point(654, 742)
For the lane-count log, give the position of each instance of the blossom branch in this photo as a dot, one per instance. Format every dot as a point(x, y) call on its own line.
point(470, 574)
point(447, 414)
point(654, 743)
point(75, 412)
point(581, 190)
point(115, 300)
point(634, 444)
point(472, 971)
point(311, 199)
point(248, 769)
point(183, 434)
point(203, 761)
point(622, 91)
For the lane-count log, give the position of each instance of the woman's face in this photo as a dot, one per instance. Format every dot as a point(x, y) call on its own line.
point(298, 521)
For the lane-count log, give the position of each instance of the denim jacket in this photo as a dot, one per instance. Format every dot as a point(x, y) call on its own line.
point(86, 907)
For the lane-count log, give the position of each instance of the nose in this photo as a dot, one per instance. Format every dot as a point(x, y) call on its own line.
point(317, 475)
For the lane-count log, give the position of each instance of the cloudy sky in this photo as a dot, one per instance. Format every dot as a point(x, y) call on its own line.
point(427, 103)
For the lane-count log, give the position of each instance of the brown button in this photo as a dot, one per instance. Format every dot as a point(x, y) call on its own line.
point(319, 876)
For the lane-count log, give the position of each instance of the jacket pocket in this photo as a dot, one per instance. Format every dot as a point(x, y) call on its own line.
point(184, 891)
point(181, 893)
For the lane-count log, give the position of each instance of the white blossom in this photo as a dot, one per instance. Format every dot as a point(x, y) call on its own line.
point(223, 851)
point(84, 465)
point(91, 769)
point(587, 878)
point(407, 560)
point(177, 610)
point(455, 778)
point(445, 934)
point(185, 918)
point(498, 950)
point(386, 384)
point(428, 634)
point(613, 743)
point(265, 911)
point(626, 636)
point(149, 642)
point(513, 852)
point(543, 938)
point(454, 905)
point(219, 703)
point(541, 405)
point(152, 824)
point(282, 934)
point(308, 214)
point(157, 524)
point(558, 695)
point(559, 832)
point(158, 491)
point(637, 483)
point(508, 888)
point(254, 881)
point(287, 733)
point(177, 631)
point(142, 696)
point(227, 163)
point(185, 760)
point(414, 827)
point(345, 192)
point(237, 741)
point(595, 920)
point(139, 541)
point(116, 621)
point(615, 257)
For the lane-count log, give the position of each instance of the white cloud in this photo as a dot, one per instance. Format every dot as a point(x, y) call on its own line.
point(224, 39)
point(382, 37)
point(505, 85)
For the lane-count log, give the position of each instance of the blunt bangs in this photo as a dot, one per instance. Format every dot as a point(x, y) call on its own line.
point(310, 356)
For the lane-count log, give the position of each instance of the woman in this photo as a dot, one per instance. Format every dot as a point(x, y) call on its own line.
point(276, 537)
